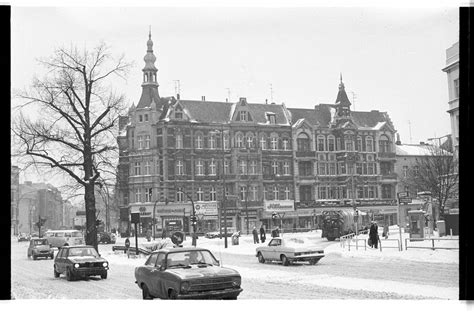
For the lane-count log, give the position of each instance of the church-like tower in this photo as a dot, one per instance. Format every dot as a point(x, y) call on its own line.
point(150, 85)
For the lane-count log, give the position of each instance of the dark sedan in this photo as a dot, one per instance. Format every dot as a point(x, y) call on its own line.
point(79, 262)
point(186, 273)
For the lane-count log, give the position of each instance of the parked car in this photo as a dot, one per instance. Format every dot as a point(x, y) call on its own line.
point(60, 238)
point(40, 248)
point(79, 261)
point(186, 273)
point(290, 250)
point(217, 234)
point(23, 237)
point(105, 237)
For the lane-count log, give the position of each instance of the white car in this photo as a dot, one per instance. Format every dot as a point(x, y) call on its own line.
point(290, 250)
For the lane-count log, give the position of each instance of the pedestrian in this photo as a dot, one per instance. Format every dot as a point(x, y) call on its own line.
point(163, 234)
point(373, 235)
point(276, 232)
point(255, 235)
point(262, 233)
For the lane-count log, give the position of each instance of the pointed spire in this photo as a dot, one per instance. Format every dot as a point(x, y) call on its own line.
point(150, 85)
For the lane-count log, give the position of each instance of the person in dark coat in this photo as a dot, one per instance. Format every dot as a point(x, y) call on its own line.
point(255, 235)
point(263, 236)
point(373, 235)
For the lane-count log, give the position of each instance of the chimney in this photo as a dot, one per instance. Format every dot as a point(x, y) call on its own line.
point(203, 98)
point(177, 96)
point(398, 142)
point(422, 143)
point(226, 100)
point(266, 101)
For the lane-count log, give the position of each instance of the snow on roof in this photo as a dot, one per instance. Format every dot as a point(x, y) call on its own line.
point(414, 150)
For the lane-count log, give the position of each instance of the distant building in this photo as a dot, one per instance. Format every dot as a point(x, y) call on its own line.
point(14, 195)
point(40, 200)
point(452, 70)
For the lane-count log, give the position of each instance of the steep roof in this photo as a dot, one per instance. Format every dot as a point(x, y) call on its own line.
point(149, 94)
point(370, 119)
point(320, 115)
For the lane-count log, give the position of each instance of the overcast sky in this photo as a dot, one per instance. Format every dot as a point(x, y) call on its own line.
point(391, 58)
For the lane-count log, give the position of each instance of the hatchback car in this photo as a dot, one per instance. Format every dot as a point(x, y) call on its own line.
point(23, 237)
point(186, 273)
point(40, 248)
point(290, 250)
point(79, 261)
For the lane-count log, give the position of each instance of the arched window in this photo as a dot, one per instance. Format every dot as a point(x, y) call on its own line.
point(331, 143)
point(263, 142)
point(359, 143)
point(321, 143)
point(239, 140)
point(249, 140)
point(302, 142)
point(369, 144)
point(199, 141)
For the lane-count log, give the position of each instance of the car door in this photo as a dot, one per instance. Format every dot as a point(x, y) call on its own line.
point(146, 270)
point(59, 260)
point(274, 249)
point(156, 278)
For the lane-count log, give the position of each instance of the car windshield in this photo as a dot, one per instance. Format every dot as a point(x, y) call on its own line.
point(191, 258)
point(40, 242)
point(83, 252)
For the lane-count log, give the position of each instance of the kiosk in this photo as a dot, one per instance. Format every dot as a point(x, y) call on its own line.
point(416, 224)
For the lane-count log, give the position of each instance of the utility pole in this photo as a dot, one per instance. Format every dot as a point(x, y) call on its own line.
point(354, 97)
point(223, 189)
point(177, 87)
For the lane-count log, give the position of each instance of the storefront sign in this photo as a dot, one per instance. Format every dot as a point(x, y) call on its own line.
point(278, 205)
point(206, 207)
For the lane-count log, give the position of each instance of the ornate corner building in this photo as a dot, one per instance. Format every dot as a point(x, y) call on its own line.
point(238, 162)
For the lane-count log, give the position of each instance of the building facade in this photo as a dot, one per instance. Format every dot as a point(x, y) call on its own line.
point(452, 71)
point(239, 162)
point(14, 195)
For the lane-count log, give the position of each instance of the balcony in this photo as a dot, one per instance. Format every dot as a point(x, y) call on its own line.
point(389, 176)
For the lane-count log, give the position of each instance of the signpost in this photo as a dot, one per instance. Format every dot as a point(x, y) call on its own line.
point(403, 197)
point(135, 218)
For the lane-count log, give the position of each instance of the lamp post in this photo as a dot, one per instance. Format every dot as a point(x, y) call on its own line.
point(153, 221)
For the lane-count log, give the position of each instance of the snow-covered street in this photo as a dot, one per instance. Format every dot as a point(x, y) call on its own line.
point(341, 274)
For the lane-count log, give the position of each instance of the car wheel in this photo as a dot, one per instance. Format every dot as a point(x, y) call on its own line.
point(104, 275)
point(172, 294)
point(261, 259)
point(34, 257)
point(52, 255)
point(29, 255)
point(313, 261)
point(66, 244)
point(69, 275)
point(284, 260)
point(146, 293)
point(56, 273)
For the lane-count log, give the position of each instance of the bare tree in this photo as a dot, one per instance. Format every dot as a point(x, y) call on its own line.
point(436, 172)
point(77, 111)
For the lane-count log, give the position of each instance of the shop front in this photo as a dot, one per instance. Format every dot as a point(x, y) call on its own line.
point(207, 216)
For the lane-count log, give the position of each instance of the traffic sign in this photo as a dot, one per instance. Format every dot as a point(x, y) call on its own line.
point(403, 194)
point(404, 200)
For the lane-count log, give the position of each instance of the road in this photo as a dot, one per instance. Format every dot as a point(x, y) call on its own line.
point(334, 277)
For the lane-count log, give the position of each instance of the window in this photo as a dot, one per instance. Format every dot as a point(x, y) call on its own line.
point(342, 168)
point(265, 193)
point(242, 167)
point(253, 193)
point(321, 143)
point(212, 142)
point(331, 143)
point(275, 193)
point(332, 192)
point(369, 144)
point(138, 195)
point(212, 167)
point(360, 192)
point(274, 143)
point(384, 144)
point(226, 142)
point(240, 141)
point(370, 168)
point(287, 193)
point(359, 144)
point(148, 194)
point(302, 142)
point(179, 195)
point(286, 144)
point(199, 168)
point(140, 142)
point(359, 168)
point(271, 118)
point(332, 168)
point(405, 171)
point(416, 170)
point(305, 168)
point(137, 168)
point(243, 193)
point(263, 143)
point(178, 115)
point(286, 168)
point(386, 191)
point(349, 144)
point(338, 143)
point(456, 88)
point(146, 117)
point(321, 168)
point(179, 141)
point(253, 167)
point(385, 168)
point(140, 118)
point(147, 168)
point(372, 192)
point(243, 116)
point(305, 193)
point(147, 141)
point(179, 167)
point(199, 141)
point(212, 194)
point(322, 192)
point(249, 141)
point(200, 194)
point(226, 167)
point(275, 167)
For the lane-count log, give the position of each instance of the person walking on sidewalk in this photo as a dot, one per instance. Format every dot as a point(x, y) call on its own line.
point(373, 235)
point(255, 235)
point(262, 234)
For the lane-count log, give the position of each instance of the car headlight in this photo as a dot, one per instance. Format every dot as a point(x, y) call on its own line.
point(105, 264)
point(76, 265)
point(236, 281)
point(185, 286)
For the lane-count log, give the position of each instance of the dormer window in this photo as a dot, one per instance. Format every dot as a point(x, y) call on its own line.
point(243, 116)
point(271, 118)
point(178, 114)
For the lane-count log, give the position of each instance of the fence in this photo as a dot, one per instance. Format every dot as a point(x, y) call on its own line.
point(432, 243)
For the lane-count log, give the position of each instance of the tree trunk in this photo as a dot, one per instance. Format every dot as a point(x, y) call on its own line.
point(91, 229)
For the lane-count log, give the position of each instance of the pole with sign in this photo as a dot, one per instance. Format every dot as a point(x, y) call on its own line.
point(135, 219)
point(403, 197)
